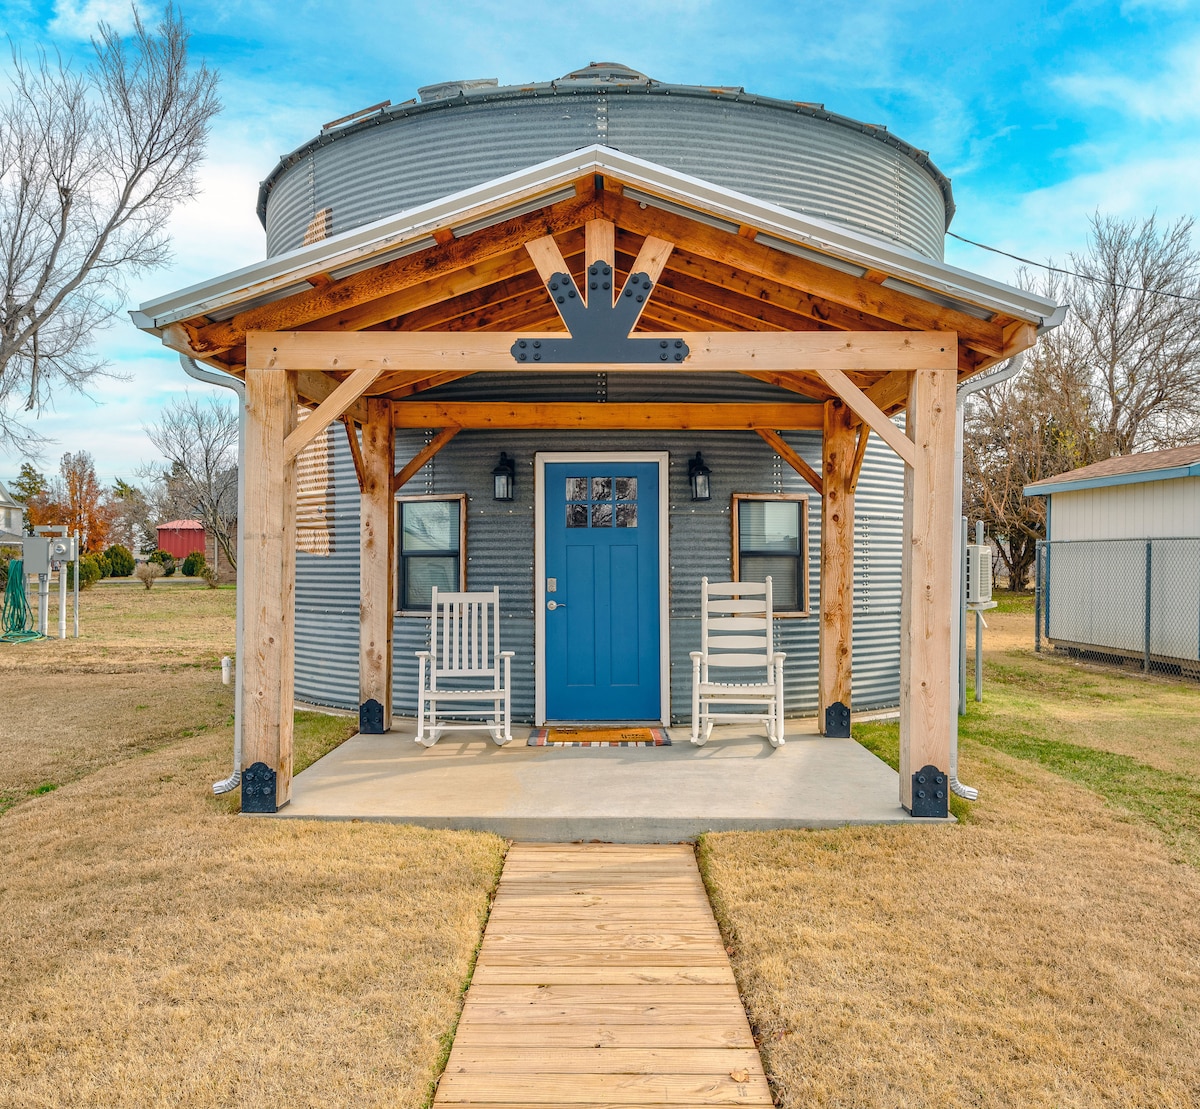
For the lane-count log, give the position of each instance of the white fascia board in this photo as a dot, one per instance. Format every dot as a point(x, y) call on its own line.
point(358, 245)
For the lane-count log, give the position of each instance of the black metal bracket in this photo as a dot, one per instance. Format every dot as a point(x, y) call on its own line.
point(600, 330)
point(837, 721)
point(370, 717)
point(258, 789)
point(930, 792)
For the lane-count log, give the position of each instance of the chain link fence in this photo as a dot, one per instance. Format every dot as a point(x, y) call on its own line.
point(1127, 602)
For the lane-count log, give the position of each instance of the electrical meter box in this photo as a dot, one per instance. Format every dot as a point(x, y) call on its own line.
point(979, 574)
point(63, 548)
point(35, 552)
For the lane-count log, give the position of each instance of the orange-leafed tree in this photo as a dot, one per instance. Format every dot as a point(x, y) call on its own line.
point(87, 505)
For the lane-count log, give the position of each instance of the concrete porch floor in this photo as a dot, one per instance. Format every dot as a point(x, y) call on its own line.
point(615, 794)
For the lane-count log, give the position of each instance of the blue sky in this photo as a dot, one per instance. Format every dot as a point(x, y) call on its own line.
point(1041, 114)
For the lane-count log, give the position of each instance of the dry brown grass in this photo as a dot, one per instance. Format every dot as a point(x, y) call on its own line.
point(1044, 953)
point(159, 950)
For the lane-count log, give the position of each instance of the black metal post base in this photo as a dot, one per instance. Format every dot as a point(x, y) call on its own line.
point(370, 717)
point(258, 789)
point(930, 792)
point(837, 721)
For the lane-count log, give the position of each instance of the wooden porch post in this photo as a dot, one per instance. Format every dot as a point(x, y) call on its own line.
point(269, 578)
point(376, 571)
point(928, 565)
point(838, 445)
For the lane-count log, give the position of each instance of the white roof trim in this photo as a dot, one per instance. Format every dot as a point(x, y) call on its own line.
point(278, 276)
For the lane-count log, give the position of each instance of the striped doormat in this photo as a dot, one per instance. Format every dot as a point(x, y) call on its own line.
point(599, 737)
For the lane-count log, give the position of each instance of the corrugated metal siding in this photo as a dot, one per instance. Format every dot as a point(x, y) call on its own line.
point(785, 155)
point(500, 551)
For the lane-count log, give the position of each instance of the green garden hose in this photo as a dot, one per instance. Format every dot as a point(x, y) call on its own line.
point(16, 617)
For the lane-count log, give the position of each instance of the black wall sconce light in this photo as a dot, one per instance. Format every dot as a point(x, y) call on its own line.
point(698, 479)
point(504, 478)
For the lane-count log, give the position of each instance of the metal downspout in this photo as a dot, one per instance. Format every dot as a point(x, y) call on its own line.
point(957, 637)
point(210, 377)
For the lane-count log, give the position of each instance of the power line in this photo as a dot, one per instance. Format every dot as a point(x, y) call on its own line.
point(1073, 273)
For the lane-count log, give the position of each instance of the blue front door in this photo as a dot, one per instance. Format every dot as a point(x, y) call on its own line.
point(602, 591)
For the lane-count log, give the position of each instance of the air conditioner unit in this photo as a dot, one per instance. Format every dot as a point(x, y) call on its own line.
point(979, 574)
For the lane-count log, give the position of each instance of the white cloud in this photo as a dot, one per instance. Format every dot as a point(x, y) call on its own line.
point(78, 19)
point(1170, 95)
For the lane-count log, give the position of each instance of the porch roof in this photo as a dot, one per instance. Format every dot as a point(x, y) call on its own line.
point(738, 264)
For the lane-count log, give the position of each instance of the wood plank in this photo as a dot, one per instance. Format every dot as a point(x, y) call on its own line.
point(840, 288)
point(648, 1012)
point(422, 457)
point(268, 576)
point(866, 410)
point(609, 1089)
point(606, 1060)
point(706, 417)
point(556, 973)
point(590, 1037)
point(540, 995)
point(928, 562)
point(860, 452)
point(829, 353)
point(355, 451)
point(344, 303)
point(377, 516)
point(601, 246)
point(330, 409)
point(781, 448)
point(836, 627)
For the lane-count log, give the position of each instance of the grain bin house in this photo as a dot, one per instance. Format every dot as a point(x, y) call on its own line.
point(1119, 573)
point(600, 287)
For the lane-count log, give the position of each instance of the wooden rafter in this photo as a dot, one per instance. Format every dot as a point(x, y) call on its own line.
point(866, 410)
point(422, 457)
point(608, 417)
point(356, 454)
point(860, 452)
point(845, 289)
point(776, 442)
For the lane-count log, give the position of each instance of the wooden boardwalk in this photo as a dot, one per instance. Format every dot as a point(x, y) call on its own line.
point(602, 981)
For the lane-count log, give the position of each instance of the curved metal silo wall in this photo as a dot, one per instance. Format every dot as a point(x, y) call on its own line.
point(500, 552)
point(775, 151)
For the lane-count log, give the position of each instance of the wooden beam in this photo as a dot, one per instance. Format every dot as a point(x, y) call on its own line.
point(928, 564)
point(600, 243)
point(650, 260)
point(864, 408)
point(776, 442)
point(799, 273)
point(330, 409)
point(860, 452)
point(836, 628)
point(355, 452)
point(268, 575)
point(314, 388)
point(414, 270)
point(423, 456)
point(435, 352)
point(808, 384)
point(377, 514)
point(609, 417)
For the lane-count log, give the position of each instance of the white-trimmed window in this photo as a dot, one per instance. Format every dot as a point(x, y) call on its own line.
point(431, 537)
point(770, 538)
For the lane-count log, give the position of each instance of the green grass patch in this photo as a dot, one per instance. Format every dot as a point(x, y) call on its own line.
point(1018, 603)
point(316, 734)
point(45, 787)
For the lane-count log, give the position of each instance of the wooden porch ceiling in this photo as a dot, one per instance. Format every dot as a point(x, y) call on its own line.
point(713, 281)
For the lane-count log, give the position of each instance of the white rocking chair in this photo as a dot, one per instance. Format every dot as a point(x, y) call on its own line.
point(463, 667)
point(736, 634)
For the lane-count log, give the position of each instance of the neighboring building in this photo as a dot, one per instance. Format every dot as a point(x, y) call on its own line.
point(181, 537)
point(11, 512)
point(1121, 565)
point(597, 279)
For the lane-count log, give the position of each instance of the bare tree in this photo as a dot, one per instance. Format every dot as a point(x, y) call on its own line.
point(91, 165)
point(199, 440)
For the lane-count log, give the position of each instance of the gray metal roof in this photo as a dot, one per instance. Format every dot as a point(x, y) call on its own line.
point(407, 232)
point(597, 79)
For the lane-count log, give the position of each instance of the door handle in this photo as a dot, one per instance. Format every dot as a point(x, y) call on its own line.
point(552, 605)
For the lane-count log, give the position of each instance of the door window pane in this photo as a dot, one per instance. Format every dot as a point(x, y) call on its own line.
point(602, 515)
point(577, 516)
point(577, 489)
point(627, 489)
point(601, 488)
point(627, 515)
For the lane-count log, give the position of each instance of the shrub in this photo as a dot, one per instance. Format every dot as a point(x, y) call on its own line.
point(120, 560)
point(193, 565)
point(103, 565)
point(148, 572)
point(89, 571)
point(164, 559)
point(209, 575)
